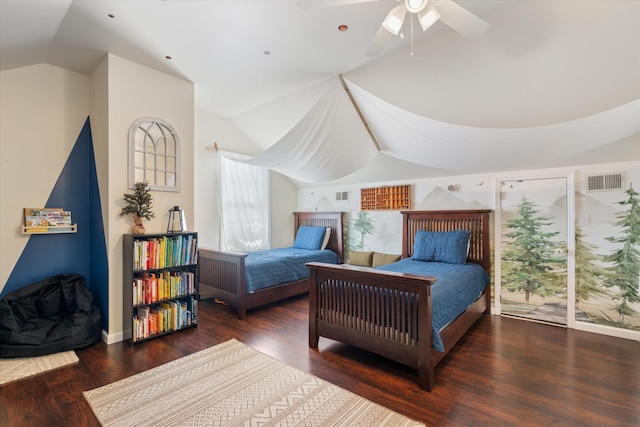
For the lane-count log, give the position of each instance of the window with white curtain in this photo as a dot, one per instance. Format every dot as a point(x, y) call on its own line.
point(244, 206)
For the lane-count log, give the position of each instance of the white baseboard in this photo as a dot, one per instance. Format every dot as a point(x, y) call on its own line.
point(588, 327)
point(608, 330)
point(111, 338)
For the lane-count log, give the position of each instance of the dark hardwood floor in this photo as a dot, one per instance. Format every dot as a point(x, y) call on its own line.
point(504, 372)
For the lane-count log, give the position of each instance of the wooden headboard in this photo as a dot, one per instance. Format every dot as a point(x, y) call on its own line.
point(334, 220)
point(477, 221)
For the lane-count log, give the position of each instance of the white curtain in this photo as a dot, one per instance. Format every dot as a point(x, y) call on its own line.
point(244, 205)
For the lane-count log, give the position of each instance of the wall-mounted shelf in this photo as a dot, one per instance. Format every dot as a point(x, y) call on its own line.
point(47, 221)
point(393, 197)
point(73, 228)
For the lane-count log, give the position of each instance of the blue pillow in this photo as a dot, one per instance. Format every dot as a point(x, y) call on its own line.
point(442, 246)
point(309, 237)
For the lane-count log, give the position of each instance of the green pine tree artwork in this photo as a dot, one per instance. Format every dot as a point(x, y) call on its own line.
point(625, 260)
point(589, 272)
point(362, 225)
point(531, 264)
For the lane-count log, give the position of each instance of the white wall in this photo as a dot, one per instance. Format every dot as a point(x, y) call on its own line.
point(135, 91)
point(42, 111)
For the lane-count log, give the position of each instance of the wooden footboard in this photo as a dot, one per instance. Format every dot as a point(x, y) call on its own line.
point(224, 273)
point(389, 313)
point(383, 312)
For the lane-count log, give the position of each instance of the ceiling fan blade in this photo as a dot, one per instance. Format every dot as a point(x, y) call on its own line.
point(379, 42)
point(317, 4)
point(461, 20)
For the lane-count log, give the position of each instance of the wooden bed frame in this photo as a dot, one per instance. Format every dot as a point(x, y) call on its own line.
point(351, 304)
point(225, 271)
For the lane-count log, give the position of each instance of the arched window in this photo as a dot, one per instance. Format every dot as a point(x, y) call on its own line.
point(154, 154)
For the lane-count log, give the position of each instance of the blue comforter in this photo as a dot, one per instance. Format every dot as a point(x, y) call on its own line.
point(458, 286)
point(276, 266)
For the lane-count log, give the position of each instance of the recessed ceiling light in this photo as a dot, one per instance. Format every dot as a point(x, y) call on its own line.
point(343, 28)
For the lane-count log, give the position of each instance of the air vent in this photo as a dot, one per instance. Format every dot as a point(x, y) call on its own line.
point(342, 195)
point(606, 182)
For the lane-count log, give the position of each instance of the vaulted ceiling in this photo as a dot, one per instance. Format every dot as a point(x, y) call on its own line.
point(239, 53)
point(540, 63)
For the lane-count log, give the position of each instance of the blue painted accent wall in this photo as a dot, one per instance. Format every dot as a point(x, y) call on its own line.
point(99, 262)
point(84, 252)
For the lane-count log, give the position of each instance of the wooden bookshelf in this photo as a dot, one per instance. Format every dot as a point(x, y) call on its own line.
point(393, 197)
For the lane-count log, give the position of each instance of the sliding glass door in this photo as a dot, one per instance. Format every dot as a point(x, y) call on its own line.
point(533, 251)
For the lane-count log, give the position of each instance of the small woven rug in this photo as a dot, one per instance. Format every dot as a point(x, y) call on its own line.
point(19, 368)
point(232, 384)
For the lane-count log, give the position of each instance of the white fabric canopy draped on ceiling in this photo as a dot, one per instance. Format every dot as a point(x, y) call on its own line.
point(331, 141)
point(328, 143)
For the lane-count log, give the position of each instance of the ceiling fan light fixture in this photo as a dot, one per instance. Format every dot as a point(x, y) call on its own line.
point(394, 20)
point(427, 17)
point(415, 6)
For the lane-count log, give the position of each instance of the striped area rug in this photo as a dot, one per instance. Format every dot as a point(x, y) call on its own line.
point(232, 384)
point(19, 368)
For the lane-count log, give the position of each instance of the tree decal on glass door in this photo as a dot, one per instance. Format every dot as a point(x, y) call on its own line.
point(589, 275)
point(626, 260)
point(530, 263)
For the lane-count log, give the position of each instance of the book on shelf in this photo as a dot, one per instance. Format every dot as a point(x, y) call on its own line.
point(163, 252)
point(141, 322)
point(152, 318)
point(154, 287)
point(164, 317)
point(187, 250)
point(32, 229)
point(47, 217)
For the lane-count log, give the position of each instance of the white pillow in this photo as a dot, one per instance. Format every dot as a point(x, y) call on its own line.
point(327, 236)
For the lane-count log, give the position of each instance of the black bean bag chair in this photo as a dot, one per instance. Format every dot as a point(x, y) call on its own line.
point(54, 315)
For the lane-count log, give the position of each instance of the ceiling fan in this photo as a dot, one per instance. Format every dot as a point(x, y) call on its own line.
point(427, 13)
